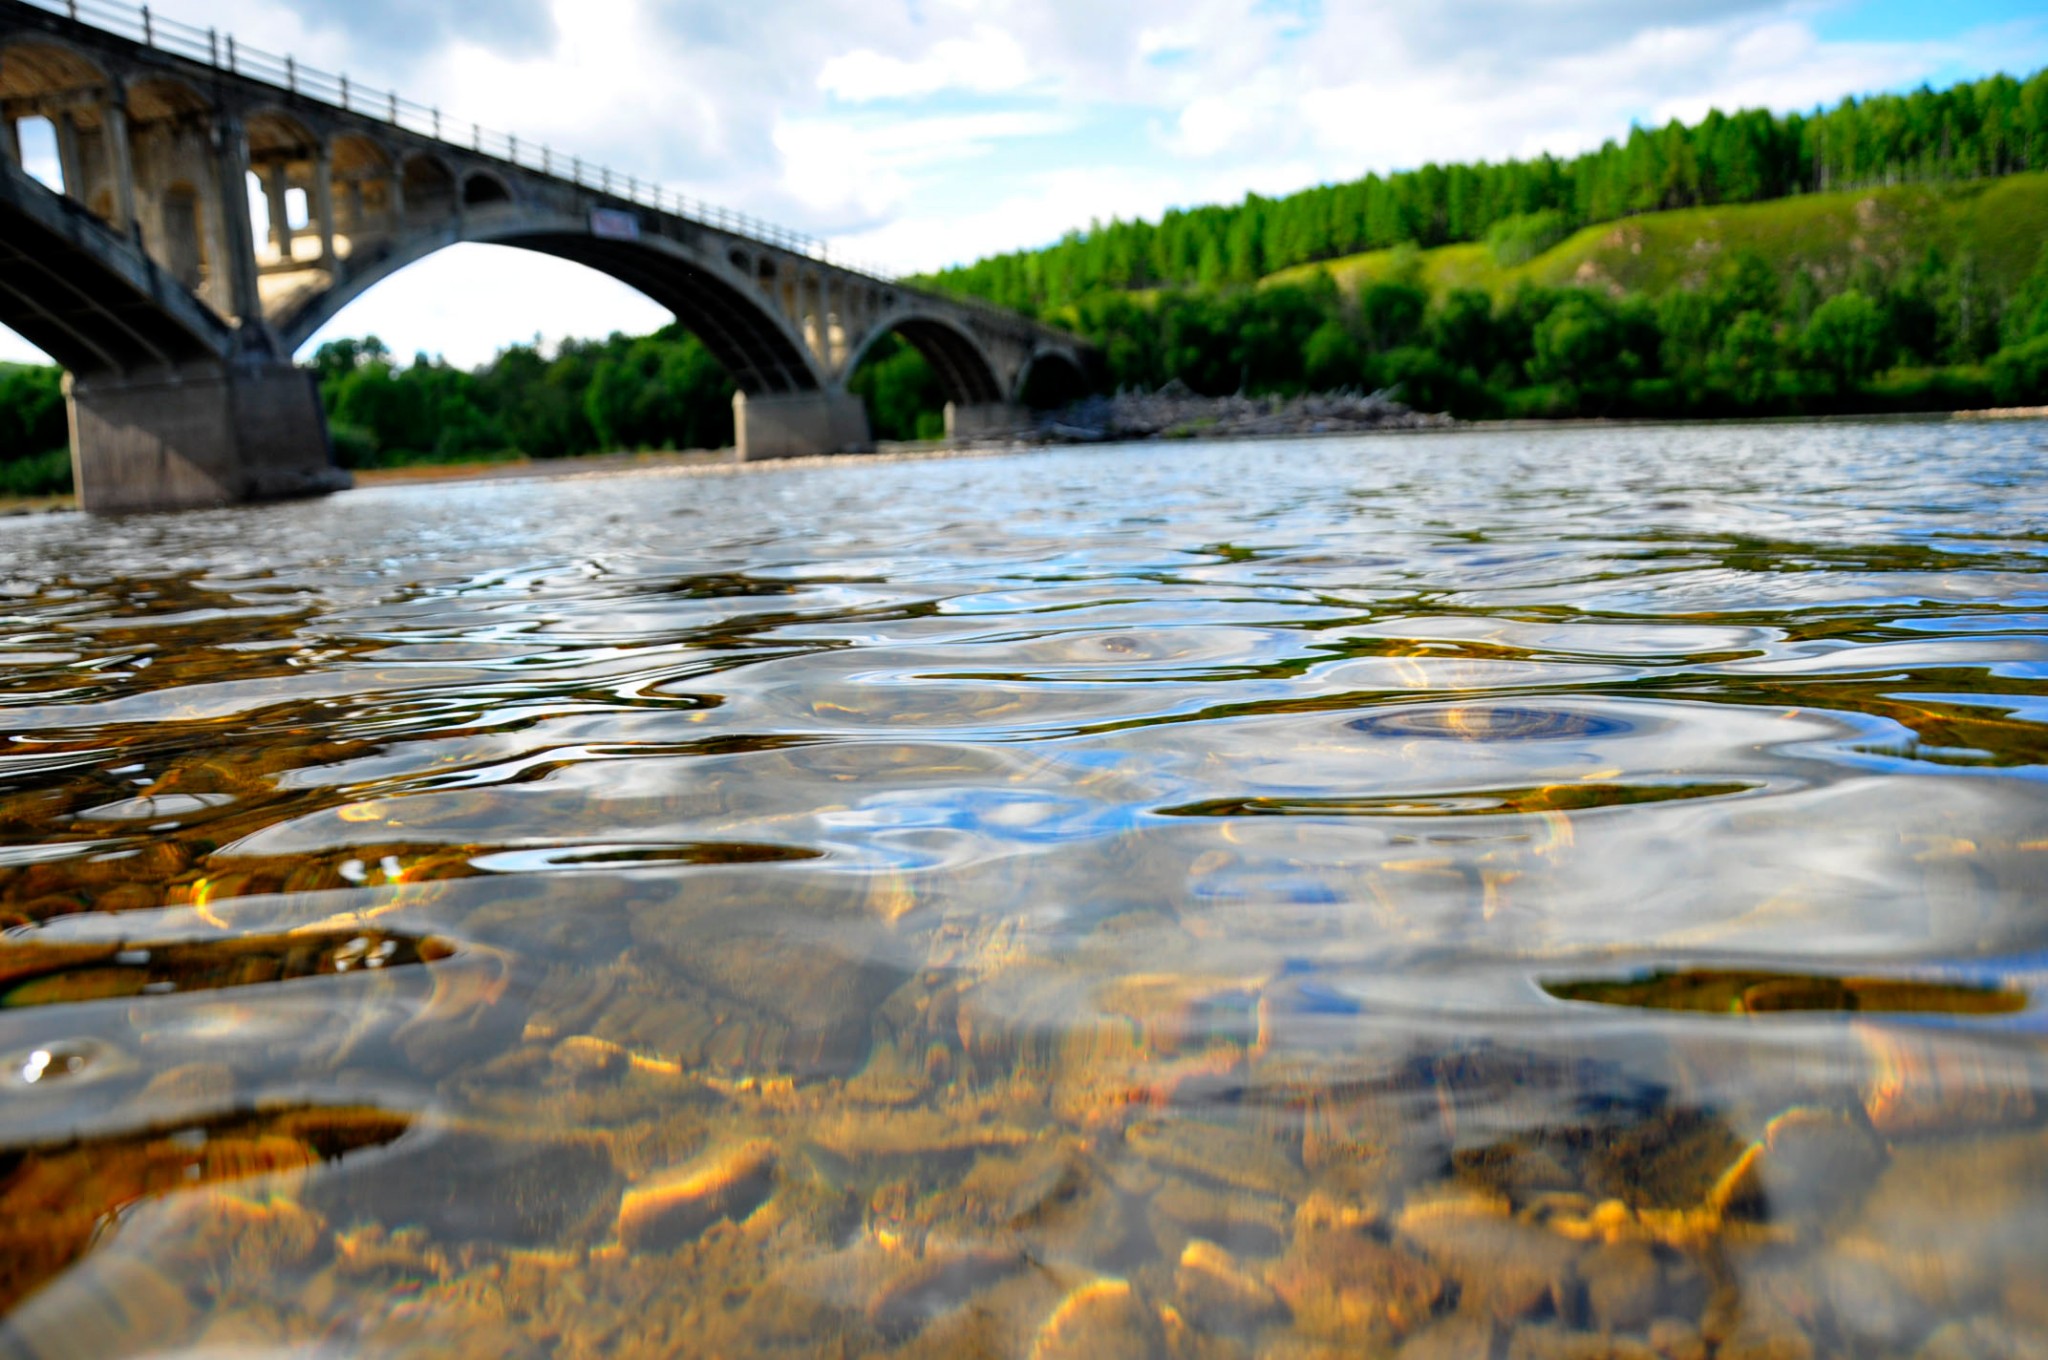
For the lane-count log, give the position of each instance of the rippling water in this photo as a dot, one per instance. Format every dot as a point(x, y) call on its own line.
point(1561, 894)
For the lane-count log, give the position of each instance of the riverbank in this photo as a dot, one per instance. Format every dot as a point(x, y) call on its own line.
point(1139, 418)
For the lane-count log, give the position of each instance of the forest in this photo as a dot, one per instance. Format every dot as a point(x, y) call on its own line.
point(1857, 259)
point(1977, 130)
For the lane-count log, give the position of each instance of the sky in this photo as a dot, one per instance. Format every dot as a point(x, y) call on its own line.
point(921, 133)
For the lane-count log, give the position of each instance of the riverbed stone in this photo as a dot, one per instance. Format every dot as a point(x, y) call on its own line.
point(677, 1205)
point(1102, 1318)
point(1550, 1342)
point(1677, 1339)
point(1460, 1336)
point(1622, 1282)
point(1219, 1292)
point(1983, 1338)
point(1345, 1285)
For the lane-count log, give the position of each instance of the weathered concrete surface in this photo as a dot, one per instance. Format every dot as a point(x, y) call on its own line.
point(197, 437)
point(988, 420)
point(799, 425)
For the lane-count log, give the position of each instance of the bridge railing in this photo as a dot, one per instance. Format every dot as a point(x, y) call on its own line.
point(140, 23)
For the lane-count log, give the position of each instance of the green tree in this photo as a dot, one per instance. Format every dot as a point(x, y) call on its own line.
point(1846, 341)
point(904, 396)
point(1588, 342)
point(32, 416)
point(1392, 314)
point(2026, 316)
point(1333, 358)
point(1747, 362)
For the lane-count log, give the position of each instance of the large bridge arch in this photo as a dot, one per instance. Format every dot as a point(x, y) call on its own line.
point(755, 343)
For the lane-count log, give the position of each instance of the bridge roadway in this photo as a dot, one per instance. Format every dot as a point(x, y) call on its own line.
point(176, 319)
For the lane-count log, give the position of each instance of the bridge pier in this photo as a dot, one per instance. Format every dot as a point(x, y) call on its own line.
point(198, 436)
point(799, 425)
point(986, 420)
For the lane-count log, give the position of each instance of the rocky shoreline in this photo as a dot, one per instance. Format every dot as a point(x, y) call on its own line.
point(1175, 412)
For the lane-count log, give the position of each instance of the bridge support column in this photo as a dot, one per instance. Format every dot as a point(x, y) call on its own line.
point(799, 425)
point(994, 420)
point(207, 435)
point(120, 162)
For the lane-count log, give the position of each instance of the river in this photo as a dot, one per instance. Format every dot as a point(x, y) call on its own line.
point(1559, 893)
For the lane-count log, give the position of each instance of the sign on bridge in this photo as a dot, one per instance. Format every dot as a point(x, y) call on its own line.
point(614, 224)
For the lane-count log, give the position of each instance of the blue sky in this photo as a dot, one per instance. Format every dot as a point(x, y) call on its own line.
point(918, 133)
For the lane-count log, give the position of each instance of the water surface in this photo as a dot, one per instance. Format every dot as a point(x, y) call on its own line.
point(1573, 893)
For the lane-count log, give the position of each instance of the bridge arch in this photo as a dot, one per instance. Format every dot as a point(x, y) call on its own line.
point(712, 301)
point(44, 67)
point(166, 99)
point(428, 185)
point(482, 188)
point(361, 175)
point(1050, 379)
point(963, 369)
point(276, 134)
point(46, 78)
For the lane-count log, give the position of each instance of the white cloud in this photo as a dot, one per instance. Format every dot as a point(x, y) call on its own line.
point(869, 169)
point(989, 61)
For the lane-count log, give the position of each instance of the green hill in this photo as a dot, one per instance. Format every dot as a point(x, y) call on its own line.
point(1834, 241)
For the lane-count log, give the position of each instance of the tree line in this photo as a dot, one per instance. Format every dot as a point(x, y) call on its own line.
point(1990, 127)
point(1743, 344)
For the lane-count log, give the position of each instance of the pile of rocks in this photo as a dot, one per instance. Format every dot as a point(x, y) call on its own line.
point(1175, 412)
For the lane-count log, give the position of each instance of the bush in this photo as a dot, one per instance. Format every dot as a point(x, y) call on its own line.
point(1589, 342)
point(2026, 316)
point(1392, 314)
point(1333, 358)
point(1521, 238)
point(1543, 402)
point(43, 474)
point(1425, 380)
point(1910, 390)
point(1747, 362)
point(32, 415)
point(2019, 376)
point(354, 446)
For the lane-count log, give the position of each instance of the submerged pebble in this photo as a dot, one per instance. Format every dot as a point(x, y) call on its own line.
point(674, 1206)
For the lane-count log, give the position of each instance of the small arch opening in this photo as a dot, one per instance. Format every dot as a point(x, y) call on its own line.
point(429, 188)
point(164, 99)
point(480, 190)
point(362, 192)
point(53, 96)
point(37, 138)
point(182, 249)
point(283, 159)
point(1051, 382)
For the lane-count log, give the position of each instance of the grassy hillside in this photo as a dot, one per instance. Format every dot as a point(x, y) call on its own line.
point(1832, 239)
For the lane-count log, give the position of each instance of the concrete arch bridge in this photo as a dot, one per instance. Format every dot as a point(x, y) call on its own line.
point(176, 315)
